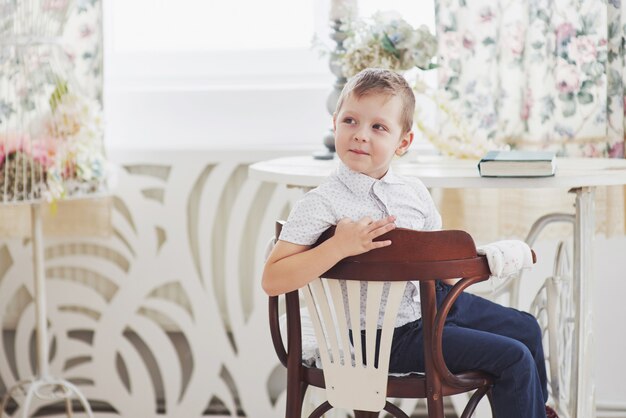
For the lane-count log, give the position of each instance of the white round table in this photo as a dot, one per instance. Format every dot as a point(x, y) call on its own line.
point(579, 176)
point(450, 173)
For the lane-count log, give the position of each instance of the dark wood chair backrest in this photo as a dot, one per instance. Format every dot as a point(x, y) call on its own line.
point(413, 255)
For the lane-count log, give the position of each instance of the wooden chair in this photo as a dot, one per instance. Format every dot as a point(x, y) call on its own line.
point(351, 381)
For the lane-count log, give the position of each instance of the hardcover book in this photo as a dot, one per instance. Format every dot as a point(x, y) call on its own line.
point(518, 164)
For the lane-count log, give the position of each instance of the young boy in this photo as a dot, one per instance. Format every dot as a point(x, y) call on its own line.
point(365, 199)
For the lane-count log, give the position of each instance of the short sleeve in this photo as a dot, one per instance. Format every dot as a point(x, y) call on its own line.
point(310, 216)
point(432, 218)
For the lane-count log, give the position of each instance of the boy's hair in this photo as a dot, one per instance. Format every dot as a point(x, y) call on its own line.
point(381, 81)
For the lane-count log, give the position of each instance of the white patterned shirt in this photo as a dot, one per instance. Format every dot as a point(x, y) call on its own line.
point(348, 194)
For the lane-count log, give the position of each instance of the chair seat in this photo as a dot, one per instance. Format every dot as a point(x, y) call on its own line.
point(408, 385)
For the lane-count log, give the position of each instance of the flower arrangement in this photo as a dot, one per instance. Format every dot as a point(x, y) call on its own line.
point(386, 41)
point(75, 126)
point(62, 155)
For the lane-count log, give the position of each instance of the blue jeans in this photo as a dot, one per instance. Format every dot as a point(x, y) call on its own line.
point(483, 335)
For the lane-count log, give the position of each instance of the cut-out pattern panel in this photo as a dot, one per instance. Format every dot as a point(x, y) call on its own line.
point(166, 317)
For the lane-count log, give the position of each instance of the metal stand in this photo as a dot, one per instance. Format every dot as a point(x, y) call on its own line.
point(568, 303)
point(43, 386)
point(583, 387)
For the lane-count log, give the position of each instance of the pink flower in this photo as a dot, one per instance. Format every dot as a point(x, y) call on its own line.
point(516, 39)
point(451, 45)
point(592, 151)
point(444, 75)
point(617, 150)
point(468, 41)
point(86, 31)
point(41, 150)
point(12, 142)
point(582, 50)
point(527, 105)
point(564, 31)
point(567, 79)
point(486, 15)
point(54, 5)
point(21, 92)
point(44, 149)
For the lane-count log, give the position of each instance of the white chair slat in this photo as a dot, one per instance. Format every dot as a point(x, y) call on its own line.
point(396, 291)
point(317, 325)
point(354, 305)
point(372, 312)
point(336, 295)
point(328, 322)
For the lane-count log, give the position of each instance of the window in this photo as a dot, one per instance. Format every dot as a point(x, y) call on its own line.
point(227, 41)
point(200, 25)
point(209, 42)
point(222, 73)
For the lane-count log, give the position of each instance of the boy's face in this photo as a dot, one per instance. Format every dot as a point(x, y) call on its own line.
point(368, 133)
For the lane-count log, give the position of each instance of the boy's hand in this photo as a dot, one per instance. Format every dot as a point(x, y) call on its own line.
point(352, 238)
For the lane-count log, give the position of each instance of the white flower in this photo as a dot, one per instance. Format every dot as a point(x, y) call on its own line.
point(75, 126)
point(386, 41)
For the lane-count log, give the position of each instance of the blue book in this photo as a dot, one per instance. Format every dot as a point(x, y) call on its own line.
point(518, 164)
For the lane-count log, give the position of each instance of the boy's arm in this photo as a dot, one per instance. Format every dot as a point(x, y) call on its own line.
point(291, 266)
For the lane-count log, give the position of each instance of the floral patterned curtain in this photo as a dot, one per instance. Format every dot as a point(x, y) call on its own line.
point(83, 44)
point(537, 73)
point(533, 74)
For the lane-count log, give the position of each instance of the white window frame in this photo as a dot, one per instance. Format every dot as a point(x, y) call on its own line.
point(274, 97)
point(286, 66)
point(219, 69)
